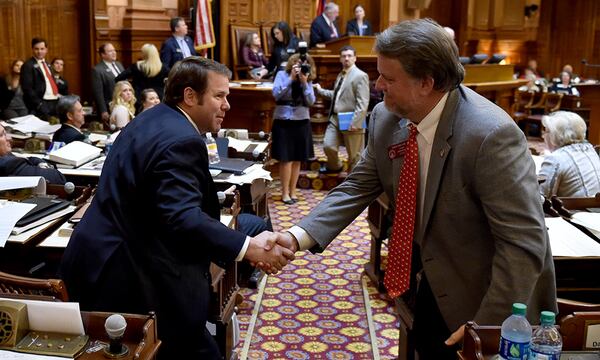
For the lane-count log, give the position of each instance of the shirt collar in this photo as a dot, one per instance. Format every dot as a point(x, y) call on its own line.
point(179, 38)
point(74, 127)
point(109, 63)
point(428, 125)
point(189, 119)
point(329, 22)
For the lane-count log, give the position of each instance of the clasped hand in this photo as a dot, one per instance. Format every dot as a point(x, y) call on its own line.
point(271, 251)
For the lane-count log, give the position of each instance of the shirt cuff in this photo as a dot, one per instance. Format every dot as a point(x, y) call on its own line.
point(242, 253)
point(305, 241)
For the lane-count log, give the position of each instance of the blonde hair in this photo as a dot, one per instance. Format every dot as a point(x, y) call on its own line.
point(564, 128)
point(151, 65)
point(118, 100)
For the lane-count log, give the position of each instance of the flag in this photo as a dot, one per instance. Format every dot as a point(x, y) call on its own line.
point(204, 32)
point(320, 7)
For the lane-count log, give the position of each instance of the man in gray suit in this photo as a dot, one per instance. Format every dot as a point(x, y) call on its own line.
point(103, 79)
point(350, 94)
point(479, 240)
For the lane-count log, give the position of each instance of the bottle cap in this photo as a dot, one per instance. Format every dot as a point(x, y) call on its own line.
point(547, 317)
point(519, 309)
point(208, 135)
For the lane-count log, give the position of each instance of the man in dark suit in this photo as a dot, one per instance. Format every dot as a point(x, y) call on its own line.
point(40, 91)
point(179, 46)
point(70, 113)
point(103, 79)
point(468, 236)
point(324, 28)
point(152, 230)
point(11, 165)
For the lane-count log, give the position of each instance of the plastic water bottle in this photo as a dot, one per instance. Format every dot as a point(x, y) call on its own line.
point(211, 147)
point(515, 335)
point(546, 343)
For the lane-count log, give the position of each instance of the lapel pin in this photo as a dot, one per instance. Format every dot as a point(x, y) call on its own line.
point(442, 152)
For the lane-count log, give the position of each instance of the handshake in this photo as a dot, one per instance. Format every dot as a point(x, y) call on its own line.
point(271, 251)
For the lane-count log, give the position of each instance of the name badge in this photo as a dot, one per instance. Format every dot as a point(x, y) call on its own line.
point(178, 50)
point(397, 150)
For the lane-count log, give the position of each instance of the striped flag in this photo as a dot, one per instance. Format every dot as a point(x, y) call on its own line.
point(320, 7)
point(204, 32)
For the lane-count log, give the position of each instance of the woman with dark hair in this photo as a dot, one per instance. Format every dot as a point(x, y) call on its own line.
point(149, 99)
point(12, 101)
point(291, 131)
point(359, 25)
point(284, 45)
point(254, 56)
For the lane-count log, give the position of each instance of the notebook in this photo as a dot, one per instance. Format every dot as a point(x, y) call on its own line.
point(44, 207)
point(236, 166)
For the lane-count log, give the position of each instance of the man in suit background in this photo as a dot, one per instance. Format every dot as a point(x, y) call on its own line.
point(350, 94)
point(70, 113)
point(40, 91)
point(462, 247)
point(11, 165)
point(148, 238)
point(179, 46)
point(103, 79)
point(323, 27)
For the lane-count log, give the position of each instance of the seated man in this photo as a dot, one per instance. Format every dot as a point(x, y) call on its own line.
point(11, 165)
point(70, 113)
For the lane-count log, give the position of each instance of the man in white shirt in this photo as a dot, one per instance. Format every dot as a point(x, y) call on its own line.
point(40, 91)
point(468, 237)
point(324, 28)
point(179, 46)
point(103, 79)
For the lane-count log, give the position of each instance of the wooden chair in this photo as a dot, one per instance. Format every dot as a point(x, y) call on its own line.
point(550, 102)
point(266, 40)
point(303, 33)
point(19, 285)
point(563, 204)
point(521, 105)
point(238, 35)
point(567, 307)
point(573, 329)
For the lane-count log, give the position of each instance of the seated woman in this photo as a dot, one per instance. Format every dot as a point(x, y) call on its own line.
point(254, 57)
point(573, 167)
point(284, 45)
point(122, 106)
point(11, 165)
point(564, 86)
point(12, 100)
point(359, 25)
point(530, 86)
point(149, 99)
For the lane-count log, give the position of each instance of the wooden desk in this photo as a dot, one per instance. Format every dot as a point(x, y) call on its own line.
point(362, 44)
point(495, 82)
point(590, 95)
point(251, 108)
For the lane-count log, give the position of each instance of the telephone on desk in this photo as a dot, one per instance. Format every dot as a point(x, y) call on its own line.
point(15, 334)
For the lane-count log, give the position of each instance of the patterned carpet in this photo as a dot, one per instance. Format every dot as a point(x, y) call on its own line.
point(315, 308)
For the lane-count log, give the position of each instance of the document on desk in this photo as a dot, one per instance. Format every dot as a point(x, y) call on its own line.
point(59, 214)
point(590, 220)
point(11, 355)
point(23, 182)
point(567, 240)
point(254, 172)
point(10, 213)
point(243, 145)
point(49, 316)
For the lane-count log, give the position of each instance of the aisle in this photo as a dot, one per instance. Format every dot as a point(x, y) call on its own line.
point(315, 308)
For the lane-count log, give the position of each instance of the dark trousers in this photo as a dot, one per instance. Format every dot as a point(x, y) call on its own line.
point(429, 328)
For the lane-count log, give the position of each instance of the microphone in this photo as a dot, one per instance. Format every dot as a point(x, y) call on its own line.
point(255, 154)
point(585, 63)
point(69, 187)
point(115, 326)
point(113, 127)
point(261, 134)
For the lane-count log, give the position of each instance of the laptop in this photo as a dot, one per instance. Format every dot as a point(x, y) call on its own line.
point(236, 166)
point(44, 207)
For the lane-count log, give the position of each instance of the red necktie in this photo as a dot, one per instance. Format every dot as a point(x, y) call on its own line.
point(397, 273)
point(50, 78)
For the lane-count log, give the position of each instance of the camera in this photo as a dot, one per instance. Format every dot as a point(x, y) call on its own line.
point(303, 50)
point(305, 69)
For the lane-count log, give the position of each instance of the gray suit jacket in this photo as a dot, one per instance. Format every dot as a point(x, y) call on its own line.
point(353, 96)
point(103, 84)
point(483, 238)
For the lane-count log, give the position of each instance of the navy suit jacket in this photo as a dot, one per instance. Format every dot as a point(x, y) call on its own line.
point(170, 53)
point(352, 28)
point(320, 32)
point(11, 165)
point(67, 134)
point(153, 226)
point(33, 84)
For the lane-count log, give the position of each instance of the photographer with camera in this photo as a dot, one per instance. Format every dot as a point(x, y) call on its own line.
point(291, 131)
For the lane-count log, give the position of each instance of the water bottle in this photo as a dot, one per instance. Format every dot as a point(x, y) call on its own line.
point(515, 335)
point(546, 343)
point(211, 147)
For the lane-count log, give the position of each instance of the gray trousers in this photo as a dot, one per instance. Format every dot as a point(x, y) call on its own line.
point(354, 141)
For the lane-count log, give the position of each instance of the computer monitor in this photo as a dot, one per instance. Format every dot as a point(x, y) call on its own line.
point(496, 59)
point(478, 58)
